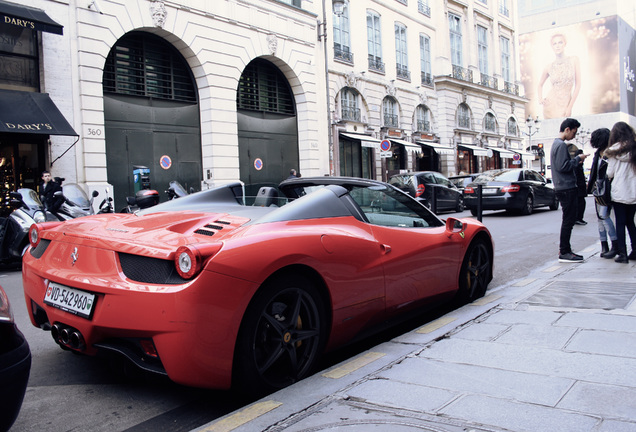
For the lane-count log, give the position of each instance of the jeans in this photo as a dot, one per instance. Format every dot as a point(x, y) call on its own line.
point(605, 224)
point(624, 214)
point(568, 199)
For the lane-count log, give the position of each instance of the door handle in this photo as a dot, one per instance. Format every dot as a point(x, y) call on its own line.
point(385, 248)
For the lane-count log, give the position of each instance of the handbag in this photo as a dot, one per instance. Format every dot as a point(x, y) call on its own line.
point(602, 191)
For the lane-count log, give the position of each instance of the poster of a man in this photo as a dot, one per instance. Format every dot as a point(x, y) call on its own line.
point(580, 76)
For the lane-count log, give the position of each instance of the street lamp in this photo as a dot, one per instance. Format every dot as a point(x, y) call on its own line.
point(536, 124)
point(582, 136)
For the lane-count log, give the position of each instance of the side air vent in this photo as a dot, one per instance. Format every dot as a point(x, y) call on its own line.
point(211, 229)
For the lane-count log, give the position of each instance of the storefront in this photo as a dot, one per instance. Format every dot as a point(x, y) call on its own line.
point(27, 118)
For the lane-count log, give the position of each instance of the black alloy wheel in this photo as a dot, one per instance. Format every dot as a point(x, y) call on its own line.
point(528, 207)
point(460, 204)
point(474, 275)
point(282, 335)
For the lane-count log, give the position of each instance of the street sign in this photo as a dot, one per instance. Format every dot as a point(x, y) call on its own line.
point(386, 154)
point(385, 145)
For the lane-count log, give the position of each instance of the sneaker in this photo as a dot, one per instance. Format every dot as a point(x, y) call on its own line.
point(580, 222)
point(570, 258)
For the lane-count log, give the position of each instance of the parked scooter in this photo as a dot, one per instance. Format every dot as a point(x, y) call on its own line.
point(143, 199)
point(175, 190)
point(106, 206)
point(14, 230)
point(76, 203)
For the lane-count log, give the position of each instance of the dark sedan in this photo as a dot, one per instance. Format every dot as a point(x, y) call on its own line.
point(514, 189)
point(15, 365)
point(424, 185)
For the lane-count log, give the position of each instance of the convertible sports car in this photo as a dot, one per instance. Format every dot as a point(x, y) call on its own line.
point(217, 291)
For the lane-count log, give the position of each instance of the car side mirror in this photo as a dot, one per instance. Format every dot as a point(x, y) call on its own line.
point(454, 225)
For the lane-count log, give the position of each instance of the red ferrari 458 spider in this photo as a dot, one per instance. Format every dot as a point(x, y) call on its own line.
point(217, 290)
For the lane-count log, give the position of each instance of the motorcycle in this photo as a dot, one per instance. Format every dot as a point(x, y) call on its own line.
point(106, 206)
point(14, 230)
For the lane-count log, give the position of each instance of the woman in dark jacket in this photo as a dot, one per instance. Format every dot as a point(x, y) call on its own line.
point(600, 141)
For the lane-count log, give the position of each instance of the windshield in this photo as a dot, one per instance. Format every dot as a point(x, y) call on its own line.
point(178, 189)
point(30, 197)
point(76, 195)
point(499, 175)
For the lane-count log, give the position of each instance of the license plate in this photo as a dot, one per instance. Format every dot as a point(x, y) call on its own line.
point(489, 191)
point(70, 300)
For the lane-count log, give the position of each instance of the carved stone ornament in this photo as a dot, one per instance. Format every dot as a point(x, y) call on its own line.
point(390, 89)
point(512, 107)
point(272, 43)
point(423, 97)
point(490, 101)
point(158, 12)
point(351, 79)
point(464, 95)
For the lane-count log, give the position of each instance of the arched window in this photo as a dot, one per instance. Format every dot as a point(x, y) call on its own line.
point(349, 105)
point(263, 87)
point(463, 116)
point(423, 118)
point(512, 129)
point(490, 123)
point(390, 111)
point(142, 64)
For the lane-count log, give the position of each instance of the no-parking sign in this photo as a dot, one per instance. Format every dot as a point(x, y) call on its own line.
point(385, 145)
point(165, 162)
point(258, 164)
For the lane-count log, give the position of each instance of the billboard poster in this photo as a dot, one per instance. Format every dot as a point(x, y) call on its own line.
point(572, 70)
point(627, 52)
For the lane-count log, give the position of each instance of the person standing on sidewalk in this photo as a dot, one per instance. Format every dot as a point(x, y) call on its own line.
point(564, 179)
point(580, 186)
point(621, 168)
point(600, 140)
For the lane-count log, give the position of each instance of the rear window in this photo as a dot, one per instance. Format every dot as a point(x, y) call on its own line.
point(498, 175)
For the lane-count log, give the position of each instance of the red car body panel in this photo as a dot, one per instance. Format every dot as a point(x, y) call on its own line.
point(368, 273)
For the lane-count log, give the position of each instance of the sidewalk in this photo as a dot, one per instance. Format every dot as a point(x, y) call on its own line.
point(553, 352)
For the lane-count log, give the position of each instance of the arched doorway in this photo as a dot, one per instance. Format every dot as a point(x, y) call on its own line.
point(267, 126)
point(151, 115)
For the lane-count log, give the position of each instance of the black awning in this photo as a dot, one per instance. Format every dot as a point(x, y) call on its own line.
point(28, 17)
point(32, 113)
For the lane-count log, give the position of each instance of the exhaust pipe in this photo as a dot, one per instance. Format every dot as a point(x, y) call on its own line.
point(65, 335)
point(77, 340)
point(55, 332)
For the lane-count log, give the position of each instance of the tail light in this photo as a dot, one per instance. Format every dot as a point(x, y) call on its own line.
point(36, 230)
point(511, 188)
point(189, 260)
point(420, 190)
point(469, 190)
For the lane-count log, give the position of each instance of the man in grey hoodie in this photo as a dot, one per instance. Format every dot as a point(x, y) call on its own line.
point(564, 178)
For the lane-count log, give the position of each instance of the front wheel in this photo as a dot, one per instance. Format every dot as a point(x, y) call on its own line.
point(474, 275)
point(281, 337)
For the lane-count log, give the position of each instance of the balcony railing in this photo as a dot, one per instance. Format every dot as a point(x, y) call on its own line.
point(343, 53)
point(504, 10)
point(350, 114)
point(488, 81)
point(511, 88)
point(423, 7)
point(462, 73)
point(403, 72)
point(423, 126)
point(427, 79)
point(376, 65)
point(391, 120)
